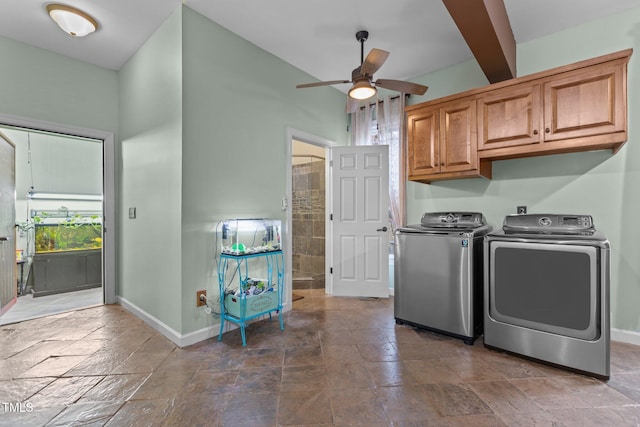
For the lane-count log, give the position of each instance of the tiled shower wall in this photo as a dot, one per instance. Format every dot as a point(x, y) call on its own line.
point(308, 223)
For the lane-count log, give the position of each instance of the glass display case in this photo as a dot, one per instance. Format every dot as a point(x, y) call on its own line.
point(249, 236)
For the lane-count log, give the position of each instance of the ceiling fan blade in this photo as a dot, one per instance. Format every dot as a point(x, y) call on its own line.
point(352, 105)
point(402, 86)
point(374, 61)
point(332, 82)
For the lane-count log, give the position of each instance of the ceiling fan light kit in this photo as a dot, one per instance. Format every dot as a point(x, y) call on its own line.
point(72, 21)
point(362, 77)
point(362, 90)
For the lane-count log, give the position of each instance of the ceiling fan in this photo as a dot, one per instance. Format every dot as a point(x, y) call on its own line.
point(362, 77)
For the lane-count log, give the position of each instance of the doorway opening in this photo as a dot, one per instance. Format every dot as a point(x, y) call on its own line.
point(59, 222)
point(310, 264)
point(308, 216)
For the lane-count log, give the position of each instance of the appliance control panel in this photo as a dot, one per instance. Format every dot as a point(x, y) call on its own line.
point(549, 224)
point(452, 219)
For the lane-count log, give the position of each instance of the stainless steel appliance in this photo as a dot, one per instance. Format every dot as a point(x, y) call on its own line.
point(546, 291)
point(438, 273)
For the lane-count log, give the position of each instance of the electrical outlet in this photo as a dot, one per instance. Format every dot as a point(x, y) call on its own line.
point(521, 210)
point(200, 301)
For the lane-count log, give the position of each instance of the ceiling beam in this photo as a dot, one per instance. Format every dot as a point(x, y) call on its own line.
point(485, 26)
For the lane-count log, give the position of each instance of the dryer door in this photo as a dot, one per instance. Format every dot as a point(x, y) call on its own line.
point(548, 287)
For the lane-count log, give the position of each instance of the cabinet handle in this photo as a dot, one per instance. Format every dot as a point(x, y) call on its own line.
point(4, 238)
point(441, 163)
point(547, 130)
point(535, 131)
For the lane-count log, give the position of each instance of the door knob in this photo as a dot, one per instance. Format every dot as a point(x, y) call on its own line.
point(382, 229)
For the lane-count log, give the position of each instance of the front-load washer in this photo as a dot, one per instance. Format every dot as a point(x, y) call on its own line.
point(546, 291)
point(438, 274)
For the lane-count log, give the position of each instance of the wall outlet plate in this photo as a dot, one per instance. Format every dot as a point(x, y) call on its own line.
point(199, 302)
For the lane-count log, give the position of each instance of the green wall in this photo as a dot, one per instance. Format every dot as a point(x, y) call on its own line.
point(596, 183)
point(238, 102)
point(41, 85)
point(150, 107)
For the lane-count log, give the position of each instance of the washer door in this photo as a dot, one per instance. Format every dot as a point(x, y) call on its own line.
point(548, 287)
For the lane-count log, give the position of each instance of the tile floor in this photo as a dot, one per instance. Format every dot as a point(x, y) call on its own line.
point(27, 307)
point(339, 362)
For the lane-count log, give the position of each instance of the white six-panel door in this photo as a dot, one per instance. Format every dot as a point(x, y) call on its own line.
point(359, 255)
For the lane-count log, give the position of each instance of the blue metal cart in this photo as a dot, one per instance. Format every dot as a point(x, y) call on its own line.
point(242, 307)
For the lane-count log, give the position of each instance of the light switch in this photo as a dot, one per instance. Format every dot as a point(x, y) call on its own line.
point(132, 213)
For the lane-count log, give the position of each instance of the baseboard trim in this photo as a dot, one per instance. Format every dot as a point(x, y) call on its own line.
point(181, 340)
point(629, 337)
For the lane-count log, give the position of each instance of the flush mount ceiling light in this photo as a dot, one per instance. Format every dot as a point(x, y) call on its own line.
point(362, 89)
point(72, 21)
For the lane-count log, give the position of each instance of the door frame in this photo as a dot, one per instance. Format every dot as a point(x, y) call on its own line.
point(307, 138)
point(108, 182)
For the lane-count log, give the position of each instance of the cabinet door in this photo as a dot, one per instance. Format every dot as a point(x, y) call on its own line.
point(510, 117)
point(585, 102)
point(423, 133)
point(458, 136)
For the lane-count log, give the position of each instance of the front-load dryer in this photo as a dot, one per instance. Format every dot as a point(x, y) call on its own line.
point(546, 291)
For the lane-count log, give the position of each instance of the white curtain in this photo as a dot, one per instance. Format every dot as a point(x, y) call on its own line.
point(390, 120)
point(362, 124)
point(381, 123)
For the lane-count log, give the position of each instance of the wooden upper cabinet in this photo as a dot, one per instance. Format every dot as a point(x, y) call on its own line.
point(509, 117)
point(443, 141)
point(585, 102)
point(577, 107)
point(574, 108)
